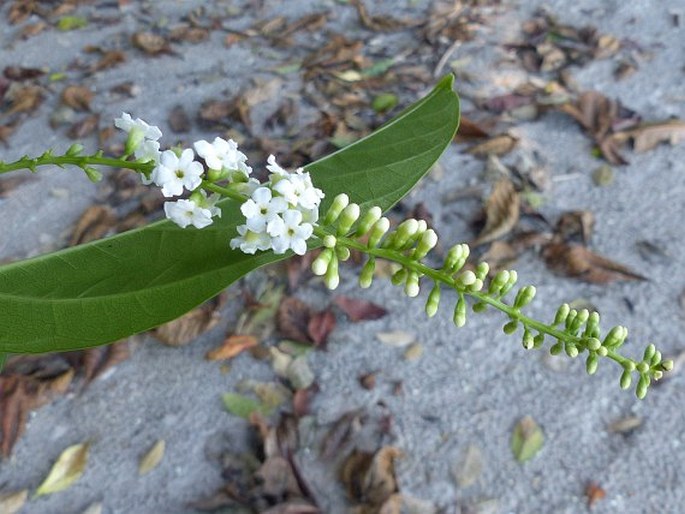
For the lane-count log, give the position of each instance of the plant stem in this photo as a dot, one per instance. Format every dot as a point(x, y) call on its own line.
point(31, 163)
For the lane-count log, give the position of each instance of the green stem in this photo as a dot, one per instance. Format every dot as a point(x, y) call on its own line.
point(449, 281)
point(31, 163)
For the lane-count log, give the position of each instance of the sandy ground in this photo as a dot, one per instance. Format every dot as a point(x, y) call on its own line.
point(470, 386)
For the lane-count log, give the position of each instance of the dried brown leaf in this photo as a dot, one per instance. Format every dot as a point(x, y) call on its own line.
point(12, 503)
point(20, 73)
point(95, 361)
point(497, 145)
point(95, 222)
point(649, 136)
point(68, 468)
point(320, 325)
point(370, 478)
point(7, 184)
point(85, 127)
point(575, 226)
point(232, 346)
point(377, 23)
point(77, 97)
point(576, 261)
point(152, 458)
point(340, 434)
point(502, 211)
point(24, 99)
point(594, 493)
point(188, 327)
point(293, 319)
point(109, 59)
point(150, 43)
point(358, 309)
point(469, 129)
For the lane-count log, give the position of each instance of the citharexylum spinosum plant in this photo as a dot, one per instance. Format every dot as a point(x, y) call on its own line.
point(228, 224)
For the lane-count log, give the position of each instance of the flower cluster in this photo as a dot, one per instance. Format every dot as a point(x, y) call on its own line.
point(280, 214)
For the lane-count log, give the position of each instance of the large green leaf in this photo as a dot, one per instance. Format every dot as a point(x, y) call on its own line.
point(103, 291)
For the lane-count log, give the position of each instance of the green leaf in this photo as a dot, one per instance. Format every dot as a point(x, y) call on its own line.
point(68, 23)
point(384, 102)
point(527, 439)
point(103, 291)
point(242, 406)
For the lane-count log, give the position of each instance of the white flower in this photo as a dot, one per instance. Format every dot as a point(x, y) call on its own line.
point(296, 187)
point(173, 173)
point(148, 151)
point(249, 241)
point(187, 212)
point(207, 202)
point(274, 167)
point(223, 155)
point(288, 232)
point(262, 208)
point(127, 124)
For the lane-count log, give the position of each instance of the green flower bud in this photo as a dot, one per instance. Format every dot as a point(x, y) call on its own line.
point(528, 340)
point(658, 374)
point(456, 258)
point(320, 264)
point(667, 365)
point(399, 277)
point(556, 348)
point(349, 215)
point(476, 286)
point(656, 358)
point(642, 367)
point(332, 278)
point(572, 314)
point(366, 275)
point(466, 279)
point(592, 325)
point(524, 296)
point(93, 175)
point(513, 277)
point(571, 350)
point(498, 282)
point(602, 351)
point(411, 286)
point(404, 231)
point(593, 344)
point(630, 366)
point(482, 270)
point(459, 317)
point(427, 242)
point(562, 314)
point(433, 301)
point(649, 352)
point(135, 137)
point(367, 220)
point(626, 379)
point(339, 203)
point(343, 253)
point(75, 150)
point(642, 386)
point(538, 340)
point(591, 363)
point(217, 175)
point(510, 327)
point(579, 320)
point(479, 307)
point(378, 230)
point(615, 337)
point(329, 241)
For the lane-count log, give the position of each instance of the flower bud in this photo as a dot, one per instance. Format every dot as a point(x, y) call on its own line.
point(572, 314)
point(561, 315)
point(404, 231)
point(528, 340)
point(642, 387)
point(513, 277)
point(332, 278)
point(592, 325)
point(667, 365)
point(498, 282)
point(433, 301)
point(524, 296)
point(343, 253)
point(658, 375)
point(656, 358)
point(602, 351)
point(626, 379)
point(411, 286)
point(466, 279)
point(329, 241)
point(367, 220)
point(366, 275)
point(349, 215)
point(649, 352)
point(642, 367)
point(556, 348)
point(378, 230)
point(399, 277)
point(479, 307)
point(510, 327)
point(320, 264)
point(615, 337)
point(92, 174)
point(593, 344)
point(571, 350)
point(427, 242)
point(339, 203)
point(538, 340)
point(591, 364)
point(459, 317)
point(75, 150)
point(579, 320)
point(482, 270)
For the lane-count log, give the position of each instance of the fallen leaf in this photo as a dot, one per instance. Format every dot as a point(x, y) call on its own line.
point(526, 439)
point(77, 97)
point(93, 508)
point(299, 374)
point(151, 44)
point(12, 503)
point(368, 381)
point(85, 127)
point(497, 145)
point(232, 346)
point(383, 23)
point(469, 129)
point(649, 136)
point(7, 184)
point(20, 73)
point(502, 211)
point(152, 458)
point(594, 493)
point(320, 325)
point(384, 102)
point(109, 59)
point(293, 319)
point(358, 309)
point(469, 468)
point(396, 338)
point(95, 222)
point(24, 99)
point(188, 327)
point(68, 469)
point(68, 23)
point(242, 406)
point(625, 425)
point(576, 261)
point(369, 478)
point(339, 435)
point(413, 352)
point(575, 226)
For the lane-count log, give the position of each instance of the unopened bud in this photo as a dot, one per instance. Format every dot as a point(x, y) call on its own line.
point(349, 215)
point(378, 230)
point(482, 270)
point(367, 220)
point(411, 286)
point(591, 364)
point(433, 301)
point(332, 278)
point(466, 279)
point(339, 203)
point(524, 296)
point(427, 242)
point(459, 317)
point(562, 314)
point(320, 264)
